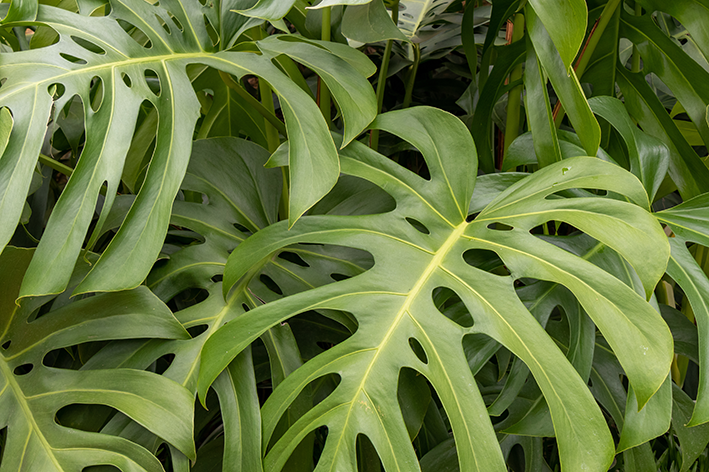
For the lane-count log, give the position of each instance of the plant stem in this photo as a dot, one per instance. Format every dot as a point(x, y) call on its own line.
point(381, 81)
point(411, 78)
point(63, 169)
point(582, 62)
point(20, 34)
point(266, 94)
point(263, 111)
point(635, 65)
point(56, 165)
point(514, 97)
point(323, 91)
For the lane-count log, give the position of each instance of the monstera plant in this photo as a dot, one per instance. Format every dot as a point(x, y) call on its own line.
point(354, 235)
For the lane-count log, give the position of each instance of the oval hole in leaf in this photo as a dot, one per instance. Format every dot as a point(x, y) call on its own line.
point(450, 305)
point(136, 34)
point(162, 23)
point(101, 468)
point(153, 81)
point(418, 349)
point(486, 260)
point(197, 330)
point(338, 277)
point(6, 344)
point(418, 226)
point(217, 278)
point(500, 227)
point(293, 257)
point(126, 79)
point(245, 307)
point(187, 298)
point(72, 357)
point(184, 238)
point(88, 45)
point(84, 417)
point(471, 217)
point(2, 81)
point(414, 395)
point(577, 193)
point(162, 364)
point(97, 91)
point(176, 21)
point(367, 457)
point(242, 228)
point(515, 461)
point(23, 369)
point(211, 31)
point(270, 284)
point(72, 59)
point(56, 91)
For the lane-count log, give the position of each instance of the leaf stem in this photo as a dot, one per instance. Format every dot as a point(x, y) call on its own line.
point(56, 165)
point(411, 78)
point(323, 92)
point(266, 95)
point(63, 169)
point(263, 111)
point(383, 71)
point(514, 98)
point(21, 37)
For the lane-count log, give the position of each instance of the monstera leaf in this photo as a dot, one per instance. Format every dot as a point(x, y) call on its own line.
point(424, 244)
point(33, 393)
point(112, 73)
point(231, 206)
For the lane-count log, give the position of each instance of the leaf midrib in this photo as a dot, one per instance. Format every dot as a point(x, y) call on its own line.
point(413, 294)
point(111, 65)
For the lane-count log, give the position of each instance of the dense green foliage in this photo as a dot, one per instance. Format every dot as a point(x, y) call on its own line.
point(354, 235)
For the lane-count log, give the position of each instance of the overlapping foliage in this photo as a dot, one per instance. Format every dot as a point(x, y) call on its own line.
point(238, 235)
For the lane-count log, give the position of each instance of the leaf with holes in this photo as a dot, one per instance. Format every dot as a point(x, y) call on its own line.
point(228, 207)
point(33, 393)
point(420, 246)
point(141, 53)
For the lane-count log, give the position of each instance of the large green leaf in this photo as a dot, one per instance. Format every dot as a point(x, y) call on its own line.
point(97, 53)
point(418, 247)
point(33, 393)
